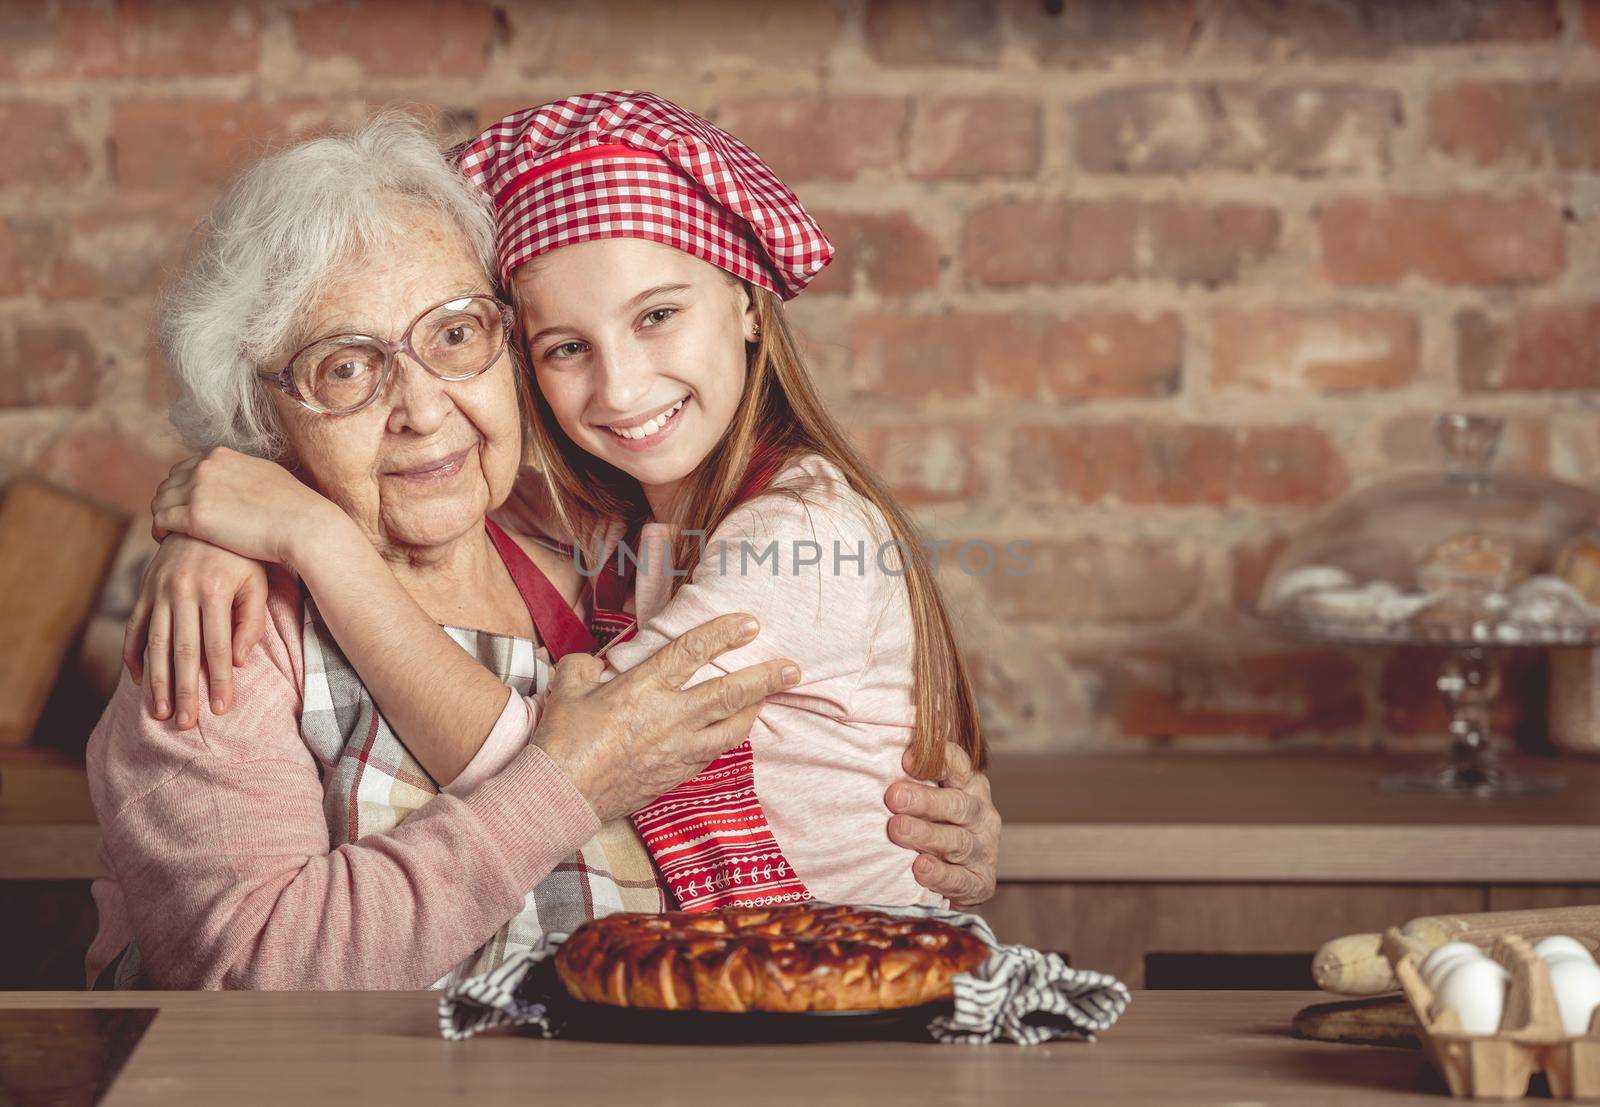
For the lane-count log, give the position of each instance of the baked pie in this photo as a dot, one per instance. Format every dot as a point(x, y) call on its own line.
point(796, 957)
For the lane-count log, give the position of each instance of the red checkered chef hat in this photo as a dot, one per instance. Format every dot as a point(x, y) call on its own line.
point(632, 165)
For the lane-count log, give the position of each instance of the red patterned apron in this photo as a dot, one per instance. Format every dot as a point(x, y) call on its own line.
point(708, 836)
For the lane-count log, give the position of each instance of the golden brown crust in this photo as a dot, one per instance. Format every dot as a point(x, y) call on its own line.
point(798, 957)
point(1579, 564)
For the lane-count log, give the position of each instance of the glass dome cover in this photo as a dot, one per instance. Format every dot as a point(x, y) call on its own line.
point(1462, 556)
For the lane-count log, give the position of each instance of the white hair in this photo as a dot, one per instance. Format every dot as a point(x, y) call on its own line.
point(279, 233)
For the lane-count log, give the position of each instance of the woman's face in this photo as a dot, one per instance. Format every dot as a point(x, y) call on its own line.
point(424, 462)
point(639, 349)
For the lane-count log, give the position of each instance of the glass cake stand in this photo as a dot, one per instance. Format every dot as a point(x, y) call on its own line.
point(1475, 562)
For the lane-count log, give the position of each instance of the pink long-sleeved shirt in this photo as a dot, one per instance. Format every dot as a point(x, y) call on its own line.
point(218, 853)
point(826, 750)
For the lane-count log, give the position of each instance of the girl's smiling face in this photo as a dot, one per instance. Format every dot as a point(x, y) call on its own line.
point(639, 349)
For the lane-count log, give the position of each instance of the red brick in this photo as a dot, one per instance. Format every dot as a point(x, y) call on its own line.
point(1517, 125)
point(975, 137)
point(1128, 462)
point(1547, 347)
point(14, 279)
point(1085, 356)
point(928, 462)
point(933, 32)
point(1264, 33)
point(43, 151)
point(890, 253)
point(1310, 130)
point(834, 138)
point(24, 436)
point(1105, 354)
point(178, 144)
point(120, 248)
point(683, 41)
point(1029, 696)
point(414, 37)
point(1100, 35)
point(491, 109)
point(1409, 441)
point(99, 461)
point(48, 365)
point(1289, 466)
point(918, 357)
point(1180, 464)
point(1458, 239)
point(74, 39)
point(1091, 579)
point(26, 246)
point(159, 391)
point(1206, 688)
point(1013, 243)
point(1320, 350)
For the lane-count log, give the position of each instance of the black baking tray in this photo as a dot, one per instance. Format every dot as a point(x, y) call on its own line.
point(597, 1022)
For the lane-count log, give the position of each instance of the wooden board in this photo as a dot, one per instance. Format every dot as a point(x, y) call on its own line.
point(43, 788)
point(1385, 1019)
point(1393, 853)
point(1299, 789)
point(55, 550)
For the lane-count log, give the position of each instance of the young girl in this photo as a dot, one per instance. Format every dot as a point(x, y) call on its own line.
point(679, 438)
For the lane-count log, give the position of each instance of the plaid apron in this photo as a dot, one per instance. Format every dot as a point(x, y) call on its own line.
point(371, 782)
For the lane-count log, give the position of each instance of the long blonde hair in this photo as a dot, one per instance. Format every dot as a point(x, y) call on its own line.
point(780, 411)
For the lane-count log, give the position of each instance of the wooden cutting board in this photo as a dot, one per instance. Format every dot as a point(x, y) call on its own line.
point(1380, 1020)
point(55, 550)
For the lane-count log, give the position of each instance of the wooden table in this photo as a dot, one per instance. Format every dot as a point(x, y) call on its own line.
point(338, 1048)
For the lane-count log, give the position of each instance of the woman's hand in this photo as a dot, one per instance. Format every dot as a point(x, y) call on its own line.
point(628, 741)
point(198, 602)
point(954, 828)
point(254, 507)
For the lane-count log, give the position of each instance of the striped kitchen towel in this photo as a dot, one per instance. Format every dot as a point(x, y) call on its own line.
point(1019, 994)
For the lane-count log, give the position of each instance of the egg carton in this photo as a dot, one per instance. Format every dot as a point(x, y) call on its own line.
point(1530, 1038)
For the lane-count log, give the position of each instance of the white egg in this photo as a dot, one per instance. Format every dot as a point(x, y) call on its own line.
point(1560, 946)
point(1577, 988)
point(1476, 991)
point(1434, 965)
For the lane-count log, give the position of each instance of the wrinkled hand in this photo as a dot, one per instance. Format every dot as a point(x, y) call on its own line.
point(954, 828)
point(196, 602)
point(627, 741)
point(249, 505)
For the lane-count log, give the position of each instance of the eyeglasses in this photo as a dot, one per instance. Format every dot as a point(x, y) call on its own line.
point(340, 374)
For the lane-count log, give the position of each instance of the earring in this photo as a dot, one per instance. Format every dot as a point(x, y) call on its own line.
point(758, 332)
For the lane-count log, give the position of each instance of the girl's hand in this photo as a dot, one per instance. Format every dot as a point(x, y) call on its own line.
point(193, 589)
point(254, 507)
point(954, 828)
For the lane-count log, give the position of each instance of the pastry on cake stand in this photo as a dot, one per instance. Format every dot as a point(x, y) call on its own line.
point(1469, 560)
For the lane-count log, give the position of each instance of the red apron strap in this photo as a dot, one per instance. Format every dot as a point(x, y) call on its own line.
point(560, 630)
point(609, 623)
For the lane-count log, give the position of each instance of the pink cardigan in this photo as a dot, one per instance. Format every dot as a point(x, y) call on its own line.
point(218, 849)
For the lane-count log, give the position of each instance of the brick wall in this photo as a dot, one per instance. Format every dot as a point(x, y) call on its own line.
point(1146, 283)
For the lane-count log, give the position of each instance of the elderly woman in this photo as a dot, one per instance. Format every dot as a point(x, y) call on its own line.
point(295, 842)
